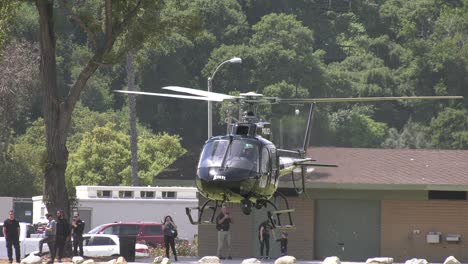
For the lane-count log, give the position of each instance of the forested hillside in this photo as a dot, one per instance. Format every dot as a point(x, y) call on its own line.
point(289, 48)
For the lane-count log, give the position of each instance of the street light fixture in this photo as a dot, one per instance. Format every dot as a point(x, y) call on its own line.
point(210, 88)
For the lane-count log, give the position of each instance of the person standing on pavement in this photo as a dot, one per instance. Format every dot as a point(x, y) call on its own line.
point(49, 237)
point(223, 223)
point(77, 230)
point(11, 231)
point(264, 232)
point(169, 230)
point(62, 234)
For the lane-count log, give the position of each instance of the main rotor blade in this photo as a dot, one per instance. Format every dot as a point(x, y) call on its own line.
point(172, 96)
point(199, 92)
point(364, 99)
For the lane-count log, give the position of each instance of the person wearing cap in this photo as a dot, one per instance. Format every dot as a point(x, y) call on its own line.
point(62, 235)
point(223, 223)
point(77, 230)
point(49, 237)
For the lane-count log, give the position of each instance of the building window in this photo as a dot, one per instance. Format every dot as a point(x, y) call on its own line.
point(447, 195)
point(42, 212)
point(169, 195)
point(125, 194)
point(147, 195)
point(104, 194)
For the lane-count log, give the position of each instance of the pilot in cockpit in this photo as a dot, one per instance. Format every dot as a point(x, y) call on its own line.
point(249, 153)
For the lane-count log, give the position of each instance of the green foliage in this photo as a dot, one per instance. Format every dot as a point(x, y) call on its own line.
point(103, 157)
point(8, 9)
point(354, 128)
point(450, 129)
point(413, 136)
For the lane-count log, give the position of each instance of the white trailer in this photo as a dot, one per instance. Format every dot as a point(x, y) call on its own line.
point(106, 204)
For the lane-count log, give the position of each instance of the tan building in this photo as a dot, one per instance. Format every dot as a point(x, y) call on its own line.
point(396, 203)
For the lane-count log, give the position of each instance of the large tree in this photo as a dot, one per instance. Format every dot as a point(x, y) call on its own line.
point(107, 25)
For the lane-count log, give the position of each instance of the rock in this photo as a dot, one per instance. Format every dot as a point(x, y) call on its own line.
point(250, 261)
point(332, 260)
point(166, 261)
point(112, 261)
point(451, 260)
point(77, 260)
point(286, 260)
point(209, 259)
point(89, 261)
point(158, 259)
point(31, 259)
point(381, 260)
point(416, 261)
point(121, 260)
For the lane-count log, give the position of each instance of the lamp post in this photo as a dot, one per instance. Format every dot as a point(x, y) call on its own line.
point(210, 88)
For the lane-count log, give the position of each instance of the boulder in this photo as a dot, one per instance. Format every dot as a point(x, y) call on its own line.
point(451, 260)
point(416, 261)
point(158, 259)
point(380, 260)
point(209, 259)
point(251, 261)
point(286, 260)
point(112, 261)
point(121, 260)
point(332, 260)
point(166, 261)
point(77, 260)
point(31, 259)
point(89, 261)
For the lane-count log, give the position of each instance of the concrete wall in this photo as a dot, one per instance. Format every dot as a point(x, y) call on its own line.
point(244, 234)
point(241, 234)
point(6, 204)
point(405, 225)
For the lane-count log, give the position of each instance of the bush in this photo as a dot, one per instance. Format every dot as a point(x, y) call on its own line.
point(183, 248)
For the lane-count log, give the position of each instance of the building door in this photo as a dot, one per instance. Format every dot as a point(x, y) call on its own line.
point(85, 215)
point(349, 229)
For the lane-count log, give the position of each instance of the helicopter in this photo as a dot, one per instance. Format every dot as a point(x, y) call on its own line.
point(244, 166)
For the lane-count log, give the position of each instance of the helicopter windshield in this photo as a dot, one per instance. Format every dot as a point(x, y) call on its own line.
point(239, 153)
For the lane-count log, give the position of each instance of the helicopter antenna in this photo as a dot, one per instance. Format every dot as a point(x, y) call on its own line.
point(308, 128)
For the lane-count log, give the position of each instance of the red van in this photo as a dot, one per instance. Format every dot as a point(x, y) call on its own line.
point(149, 233)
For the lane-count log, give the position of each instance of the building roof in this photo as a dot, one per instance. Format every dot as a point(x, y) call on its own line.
point(390, 168)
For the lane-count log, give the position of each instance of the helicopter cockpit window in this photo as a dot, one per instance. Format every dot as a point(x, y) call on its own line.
point(238, 153)
point(243, 154)
point(213, 153)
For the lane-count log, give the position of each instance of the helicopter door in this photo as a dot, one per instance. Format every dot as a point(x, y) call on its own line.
point(265, 168)
point(274, 164)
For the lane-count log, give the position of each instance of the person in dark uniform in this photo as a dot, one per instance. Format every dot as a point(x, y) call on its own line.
point(169, 229)
point(264, 238)
point(223, 222)
point(11, 231)
point(77, 228)
point(62, 235)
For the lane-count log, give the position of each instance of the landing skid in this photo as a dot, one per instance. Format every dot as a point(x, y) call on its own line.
point(271, 214)
point(211, 221)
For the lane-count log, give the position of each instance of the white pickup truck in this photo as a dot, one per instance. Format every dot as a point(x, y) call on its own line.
point(29, 242)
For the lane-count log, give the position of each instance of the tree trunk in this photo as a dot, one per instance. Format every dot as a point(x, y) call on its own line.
point(56, 117)
point(132, 118)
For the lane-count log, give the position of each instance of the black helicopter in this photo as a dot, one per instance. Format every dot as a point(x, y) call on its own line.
point(244, 166)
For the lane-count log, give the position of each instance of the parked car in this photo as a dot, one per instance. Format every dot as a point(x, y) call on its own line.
point(149, 233)
point(29, 241)
point(97, 245)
